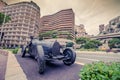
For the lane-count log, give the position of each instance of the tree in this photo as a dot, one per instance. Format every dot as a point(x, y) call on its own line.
point(2, 16)
point(82, 40)
point(69, 37)
point(96, 42)
point(114, 43)
point(87, 43)
point(52, 34)
point(67, 34)
point(92, 44)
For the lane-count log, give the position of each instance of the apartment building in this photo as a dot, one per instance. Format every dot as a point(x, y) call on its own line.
point(23, 24)
point(62, 21)
point(2, 4)
point(112, 27)
point(80, 31)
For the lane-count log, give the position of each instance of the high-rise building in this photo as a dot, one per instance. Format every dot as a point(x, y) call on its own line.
point(2, 4)
point(23, 24)
point(112, 27)
point(101, 28)
point(62, 21)
point(80, 31)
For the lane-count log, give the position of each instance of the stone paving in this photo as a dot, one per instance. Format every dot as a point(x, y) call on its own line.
point(3, 64)
point(14, 71)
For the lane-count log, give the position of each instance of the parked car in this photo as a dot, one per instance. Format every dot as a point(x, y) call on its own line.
point(44, 51)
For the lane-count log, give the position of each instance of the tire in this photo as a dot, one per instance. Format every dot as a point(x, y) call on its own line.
point(40, 59)
point(71, 55)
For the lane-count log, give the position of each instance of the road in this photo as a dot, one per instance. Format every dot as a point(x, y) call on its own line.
point(54, 71)
point(58, 71)
point(89, 57)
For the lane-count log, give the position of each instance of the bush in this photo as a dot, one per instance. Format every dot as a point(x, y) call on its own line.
point(94, 49)
point(15, 50)
point(89, 45)
point(100, 71)
point(82, 40)
point(69, 44)
point(114, 43)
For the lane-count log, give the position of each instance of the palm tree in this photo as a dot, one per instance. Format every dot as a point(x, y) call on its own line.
point(3, 19)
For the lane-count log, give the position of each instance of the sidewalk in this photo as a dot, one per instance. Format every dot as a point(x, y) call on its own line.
point(3, 64)
point(13, 70)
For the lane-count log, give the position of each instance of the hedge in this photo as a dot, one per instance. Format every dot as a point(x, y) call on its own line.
point(15, 50)
point(101, 71)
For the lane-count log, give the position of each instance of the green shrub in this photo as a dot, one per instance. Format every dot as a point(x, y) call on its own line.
point(114, 43)
point(94, 49)
point(69, 44)
point(82, 40)
point(15, 50)
point(101, 71)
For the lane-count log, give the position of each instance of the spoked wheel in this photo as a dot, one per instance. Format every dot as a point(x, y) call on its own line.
point(70, 56)
point(40, 59)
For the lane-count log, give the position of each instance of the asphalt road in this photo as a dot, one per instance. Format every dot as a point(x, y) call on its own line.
point(89, 57)
point(54, 71)
point(59, 71)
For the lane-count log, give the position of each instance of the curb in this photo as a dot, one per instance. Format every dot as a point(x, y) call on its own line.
point(13, 69)
point(80, 63)
point(96, 52)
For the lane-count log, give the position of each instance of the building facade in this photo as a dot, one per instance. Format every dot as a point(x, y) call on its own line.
point(101, 28)
point(112, 27)
point(23, 24)
point(62, 21)
point(80, 31)
point(2, 4)
point(108, 32)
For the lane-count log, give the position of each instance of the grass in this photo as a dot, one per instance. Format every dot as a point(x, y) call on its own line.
point(14, 51)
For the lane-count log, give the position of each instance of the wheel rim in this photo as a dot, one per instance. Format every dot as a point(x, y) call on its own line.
point(70, 60)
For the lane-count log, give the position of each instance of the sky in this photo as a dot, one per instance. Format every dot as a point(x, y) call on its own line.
point(91, 13)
